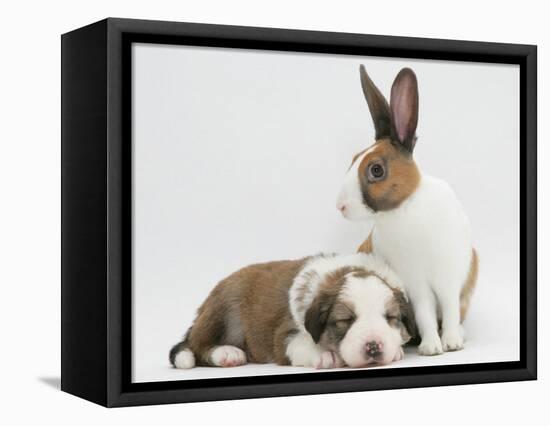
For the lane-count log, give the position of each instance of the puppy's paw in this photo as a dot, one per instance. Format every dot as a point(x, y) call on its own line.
point(430, 345)
point(328, 359)
point(452, 340)
point(399, 355)
point(184, 359)
point(227, 356)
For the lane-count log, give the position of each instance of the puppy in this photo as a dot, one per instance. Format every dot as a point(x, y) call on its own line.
point(324, 311)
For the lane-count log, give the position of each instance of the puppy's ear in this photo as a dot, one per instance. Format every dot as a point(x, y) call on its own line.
point(408, 323)
point(317, 315)
point(378, 105)
point(404, 108)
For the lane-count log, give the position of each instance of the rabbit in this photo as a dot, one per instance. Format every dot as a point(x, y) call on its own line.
point(419, 226)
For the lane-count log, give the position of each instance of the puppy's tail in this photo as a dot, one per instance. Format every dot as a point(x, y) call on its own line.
point(181, 356)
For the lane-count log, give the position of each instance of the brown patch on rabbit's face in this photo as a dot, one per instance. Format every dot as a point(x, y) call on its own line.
point(387, 174)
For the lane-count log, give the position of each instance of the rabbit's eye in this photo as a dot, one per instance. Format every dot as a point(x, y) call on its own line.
point(376, 172)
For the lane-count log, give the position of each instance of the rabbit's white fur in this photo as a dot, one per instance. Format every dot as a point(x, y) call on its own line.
point(427, 242)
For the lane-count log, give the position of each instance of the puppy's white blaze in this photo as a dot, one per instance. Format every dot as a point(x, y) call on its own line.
point(184, 359)
point(351, 196)
point(302, 351)
point(369, 298)
point(306, 284)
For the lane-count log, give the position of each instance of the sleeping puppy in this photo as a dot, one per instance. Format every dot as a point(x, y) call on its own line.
point(324, 311)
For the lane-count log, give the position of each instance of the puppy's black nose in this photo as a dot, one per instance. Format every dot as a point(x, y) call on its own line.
point(373, 349)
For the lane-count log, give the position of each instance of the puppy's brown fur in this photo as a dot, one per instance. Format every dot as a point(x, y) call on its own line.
point(248, 309)
point(318, 313)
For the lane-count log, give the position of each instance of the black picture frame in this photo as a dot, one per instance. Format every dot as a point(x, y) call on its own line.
point(96, 212)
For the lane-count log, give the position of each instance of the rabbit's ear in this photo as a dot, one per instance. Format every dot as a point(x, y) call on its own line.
point(378, 105)
point(404, 108)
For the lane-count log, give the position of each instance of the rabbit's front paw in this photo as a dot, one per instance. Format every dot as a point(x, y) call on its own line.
point(430, 345)
point(452, 340)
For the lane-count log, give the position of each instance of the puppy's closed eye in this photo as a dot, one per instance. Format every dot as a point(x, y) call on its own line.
point(342, 316)
point(342, 323)
point(393, 320)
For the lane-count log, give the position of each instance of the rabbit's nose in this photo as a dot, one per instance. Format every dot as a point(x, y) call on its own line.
point(341, 207)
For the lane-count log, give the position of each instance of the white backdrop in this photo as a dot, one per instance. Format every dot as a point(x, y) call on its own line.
point(30, 227)
point(239, 156)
